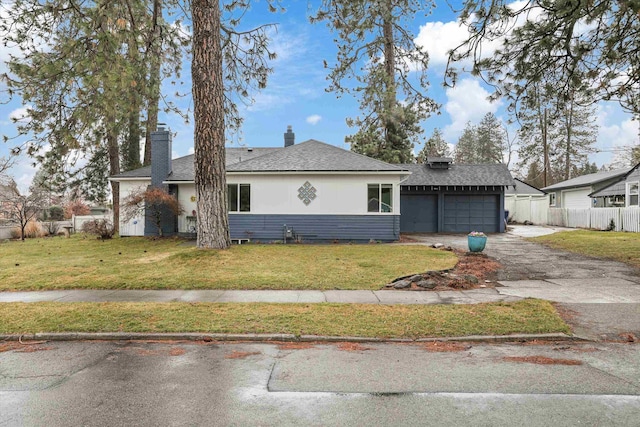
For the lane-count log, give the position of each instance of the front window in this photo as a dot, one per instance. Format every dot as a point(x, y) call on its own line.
point(552, 199)
point(632, 193)
point(380, 198)
point(239, 197)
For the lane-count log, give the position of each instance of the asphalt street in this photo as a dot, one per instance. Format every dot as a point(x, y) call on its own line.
point(222, 384)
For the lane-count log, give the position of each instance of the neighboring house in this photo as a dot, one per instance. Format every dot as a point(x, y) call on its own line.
point(623, 193)
point(443, 197)
point(526, 203)
point(316, 191)
point(576, 193)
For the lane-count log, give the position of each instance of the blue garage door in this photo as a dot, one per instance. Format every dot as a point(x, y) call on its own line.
point(465, 213)
point(418, 213)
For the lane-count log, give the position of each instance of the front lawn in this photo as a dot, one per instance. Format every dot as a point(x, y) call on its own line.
point(84, 262)
point(617, 246)
point(344, 320)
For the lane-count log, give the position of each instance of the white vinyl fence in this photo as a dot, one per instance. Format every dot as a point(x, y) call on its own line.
point(5, 231)
point(624, 219)
point(77, 221)
point(527, 208)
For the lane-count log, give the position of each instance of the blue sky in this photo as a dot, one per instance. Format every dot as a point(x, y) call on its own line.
point(296, 94)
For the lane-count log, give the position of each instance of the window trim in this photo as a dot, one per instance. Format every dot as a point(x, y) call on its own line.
point(238, 207)
point(380, 186)
point(628, 194)
point(552, 199)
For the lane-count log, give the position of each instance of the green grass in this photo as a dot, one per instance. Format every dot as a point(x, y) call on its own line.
point(364, 320)
point(624, 247)
point(138, 263)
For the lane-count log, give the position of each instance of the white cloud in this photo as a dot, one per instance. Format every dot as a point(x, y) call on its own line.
point(314, 119)
point(21, 114)
point(438, 38)
point(467, 101)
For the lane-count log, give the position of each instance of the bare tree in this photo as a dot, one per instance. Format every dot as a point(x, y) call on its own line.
point(152, 203)
point(21, 208)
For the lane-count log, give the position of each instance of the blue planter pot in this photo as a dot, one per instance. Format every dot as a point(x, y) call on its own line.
point(477, 243)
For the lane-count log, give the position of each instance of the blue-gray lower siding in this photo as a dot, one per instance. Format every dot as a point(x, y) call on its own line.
point(315, 227)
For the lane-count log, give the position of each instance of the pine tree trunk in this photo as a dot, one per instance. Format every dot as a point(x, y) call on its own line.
point(208, 100)
point(154, 56)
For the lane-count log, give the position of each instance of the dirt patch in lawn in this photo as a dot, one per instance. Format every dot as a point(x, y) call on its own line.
point(473, 271)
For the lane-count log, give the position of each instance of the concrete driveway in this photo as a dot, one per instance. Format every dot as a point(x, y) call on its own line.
point(602, 297)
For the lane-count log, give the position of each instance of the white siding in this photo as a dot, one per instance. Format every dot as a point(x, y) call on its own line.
point(278, 194)
point(577, 199)
point(135, 226)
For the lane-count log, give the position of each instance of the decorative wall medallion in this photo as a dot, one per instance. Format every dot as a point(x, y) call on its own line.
point(193, 199)
point(306, 193)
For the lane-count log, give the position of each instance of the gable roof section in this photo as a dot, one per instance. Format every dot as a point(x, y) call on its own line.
point(523, 188)
point(587, 180)
point(308, 156)
point(618, 188)
point(459, 175)
point(313, 156)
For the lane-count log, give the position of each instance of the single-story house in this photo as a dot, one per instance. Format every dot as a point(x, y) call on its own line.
point(576, 193)
point(623, 193)
point(526, 203)
point(316, 191)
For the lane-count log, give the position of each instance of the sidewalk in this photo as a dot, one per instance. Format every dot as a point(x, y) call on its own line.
point(332, 296)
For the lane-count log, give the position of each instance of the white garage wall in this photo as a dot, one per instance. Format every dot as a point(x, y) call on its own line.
point(577, 199)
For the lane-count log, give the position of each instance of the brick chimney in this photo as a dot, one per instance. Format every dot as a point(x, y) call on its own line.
point(160, 155)
point(289, 137)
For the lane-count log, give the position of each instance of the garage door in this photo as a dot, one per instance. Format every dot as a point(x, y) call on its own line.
point(576, 199)
point(418, 213)
point(465, 213)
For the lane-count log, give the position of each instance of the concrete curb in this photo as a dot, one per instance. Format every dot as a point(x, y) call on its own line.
point(142, 336)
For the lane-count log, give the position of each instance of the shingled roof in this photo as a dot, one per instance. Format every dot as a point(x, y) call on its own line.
point(459, 175)
point(586, 180)
point(308, 156)
point(313, 156)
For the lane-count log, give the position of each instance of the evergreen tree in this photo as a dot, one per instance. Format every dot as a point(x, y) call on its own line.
point(490, 140)
point(377, 52)
point(588, 47)
point(435, 146)
point(466, 148)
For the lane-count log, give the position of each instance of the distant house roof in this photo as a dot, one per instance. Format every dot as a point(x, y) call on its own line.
point(308, 156)
point(617, 188)
point(522, 187)
point(459, 175)
point(587, 180)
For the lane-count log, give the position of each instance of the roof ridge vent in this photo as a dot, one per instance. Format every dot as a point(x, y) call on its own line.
point(439, 162)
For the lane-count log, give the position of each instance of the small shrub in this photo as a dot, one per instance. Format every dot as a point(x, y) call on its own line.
point(52, 228)
point(612, 225)
point(103, 228)
point(34, 229)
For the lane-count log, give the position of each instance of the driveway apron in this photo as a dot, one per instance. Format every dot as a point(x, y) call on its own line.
point(600, 298)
